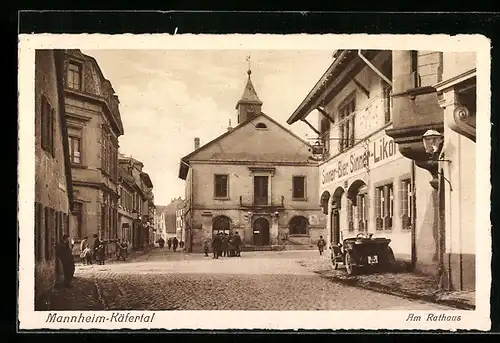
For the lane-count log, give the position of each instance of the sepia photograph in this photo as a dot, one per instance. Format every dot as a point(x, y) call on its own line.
point(340, 178)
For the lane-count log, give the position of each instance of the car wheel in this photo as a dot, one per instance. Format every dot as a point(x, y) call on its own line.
point(349, 264)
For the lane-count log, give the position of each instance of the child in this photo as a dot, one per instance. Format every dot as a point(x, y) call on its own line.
point(206, 247)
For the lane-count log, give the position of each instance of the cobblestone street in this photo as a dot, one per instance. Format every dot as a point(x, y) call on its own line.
point(164, 280)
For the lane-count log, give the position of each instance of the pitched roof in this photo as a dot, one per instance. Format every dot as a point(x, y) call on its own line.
point(183, 168)
point(249, 94)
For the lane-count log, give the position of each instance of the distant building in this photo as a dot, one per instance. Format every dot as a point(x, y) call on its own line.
point(142, 201)
point(257, 179)
point(179, 222)
point(160, 223)
point(53, 186)
point(94, 125)
point(171, 217)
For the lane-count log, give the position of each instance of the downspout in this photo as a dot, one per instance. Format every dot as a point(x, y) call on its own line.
point(372, 67)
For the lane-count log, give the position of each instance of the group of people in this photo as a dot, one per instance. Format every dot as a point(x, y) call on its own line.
point(172, 243)
point(96, 252)
point(224, 244)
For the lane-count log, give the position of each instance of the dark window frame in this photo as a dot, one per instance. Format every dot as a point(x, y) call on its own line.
point(304, 188)
point(70, 83)
point(298, 223)
point(221, 192)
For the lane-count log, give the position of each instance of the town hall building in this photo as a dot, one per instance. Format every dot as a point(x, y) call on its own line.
point(256, 179)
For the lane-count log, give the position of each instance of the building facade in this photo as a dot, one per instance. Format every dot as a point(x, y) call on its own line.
point(437, 91)
point(172, 218)
point(141, 194)
point(94, 126)
point(128, 205)
point(366, 184)
point(179, 222)
point(53, 186)
point(256, 179)
point(159, 222)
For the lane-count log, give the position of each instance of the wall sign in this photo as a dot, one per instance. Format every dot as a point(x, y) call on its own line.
point(379, 150)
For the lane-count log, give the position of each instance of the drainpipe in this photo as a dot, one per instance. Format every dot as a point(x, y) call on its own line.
point(372, 67)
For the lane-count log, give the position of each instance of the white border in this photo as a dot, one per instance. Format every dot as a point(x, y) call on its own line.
point(478, 319)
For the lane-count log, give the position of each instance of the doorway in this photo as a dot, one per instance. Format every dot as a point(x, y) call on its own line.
point(260, 190)
point(261, 232)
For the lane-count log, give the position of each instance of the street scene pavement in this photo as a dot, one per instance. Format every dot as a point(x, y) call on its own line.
point(166, 280)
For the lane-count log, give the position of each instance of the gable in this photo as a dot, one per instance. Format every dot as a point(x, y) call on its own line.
point(249, 143)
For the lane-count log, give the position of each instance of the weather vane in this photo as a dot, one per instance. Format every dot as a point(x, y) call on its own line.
point(249, 65)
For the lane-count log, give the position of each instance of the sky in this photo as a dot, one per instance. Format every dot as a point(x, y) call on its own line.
point(169, 97)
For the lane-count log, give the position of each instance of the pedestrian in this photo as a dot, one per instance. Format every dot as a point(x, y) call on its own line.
point(181, 244)
point(161, 243)
point(216, 245)
point(169, 243)
point(123, 249)
point(237, 243)
point(206, 247)
point(175, 243)
point(65, 255)
point(98, 250)
point(85, 253)
point(321, 245)
point(225, 244)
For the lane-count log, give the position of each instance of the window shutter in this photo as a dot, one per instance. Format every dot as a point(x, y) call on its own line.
point(402, 199)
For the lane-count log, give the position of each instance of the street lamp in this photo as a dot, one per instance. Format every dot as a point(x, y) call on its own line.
point(433, 142)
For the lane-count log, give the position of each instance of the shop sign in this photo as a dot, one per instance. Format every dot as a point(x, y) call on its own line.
point(377, 151)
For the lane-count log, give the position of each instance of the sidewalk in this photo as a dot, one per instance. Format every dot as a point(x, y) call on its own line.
point(403, 284)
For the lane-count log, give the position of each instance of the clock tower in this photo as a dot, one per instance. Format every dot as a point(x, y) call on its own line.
point(249, 106)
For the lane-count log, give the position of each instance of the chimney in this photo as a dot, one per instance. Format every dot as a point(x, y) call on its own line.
point(196, 143)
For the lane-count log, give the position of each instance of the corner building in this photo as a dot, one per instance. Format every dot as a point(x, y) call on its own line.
point(365, 184)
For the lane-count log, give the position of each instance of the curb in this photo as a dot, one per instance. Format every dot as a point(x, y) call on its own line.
point(375, 287)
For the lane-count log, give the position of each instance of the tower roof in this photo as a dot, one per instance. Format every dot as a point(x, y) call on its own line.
point(249, 95)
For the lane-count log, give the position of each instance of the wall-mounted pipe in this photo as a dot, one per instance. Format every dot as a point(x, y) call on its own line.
point(372, 67)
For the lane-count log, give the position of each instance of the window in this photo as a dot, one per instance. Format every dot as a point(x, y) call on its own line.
point(347, 124)
point(75, 76)
point(299, 187)
point(49, 233)
point(39, 234)
point(384, 207)
point(406, 196)
point(298, 225)
point(75, 150)
point(78, 213)
point(350, 215)
point(362, 211)
point(260, 190)
point(221, 186)
point(47, 129)
point(261, 126)
point(386, 69)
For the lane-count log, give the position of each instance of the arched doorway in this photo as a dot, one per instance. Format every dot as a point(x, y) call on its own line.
point(325, 197)
point(221, 224)
point(299, 225)
point(335, 215)
point(358, 206)
point(261, 231)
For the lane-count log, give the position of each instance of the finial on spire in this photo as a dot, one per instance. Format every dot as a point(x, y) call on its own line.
point(249, 71)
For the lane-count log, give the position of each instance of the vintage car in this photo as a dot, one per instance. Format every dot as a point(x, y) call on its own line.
point(363, 252)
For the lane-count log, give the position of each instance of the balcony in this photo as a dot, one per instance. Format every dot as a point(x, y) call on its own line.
point(249, 203)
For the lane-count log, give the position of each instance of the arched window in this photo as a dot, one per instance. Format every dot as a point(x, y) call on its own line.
point(261, 126)
point(221, 224)
point(298, 225)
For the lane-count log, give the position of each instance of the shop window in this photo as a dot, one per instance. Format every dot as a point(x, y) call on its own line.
point(221, 187)
point(350, 215)
point(347, 125)
point(406, 196)
point(299, 187)
point(75, 75)
point(298, 225)
point(48, 126)
point(384, 207)
point(75, 150)
point(362, 211)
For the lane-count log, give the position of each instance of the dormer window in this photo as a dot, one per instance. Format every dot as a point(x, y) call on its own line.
point(74, 75)
point(261, 126)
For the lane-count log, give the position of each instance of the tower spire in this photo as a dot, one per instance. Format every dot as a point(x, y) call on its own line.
point(249, 70)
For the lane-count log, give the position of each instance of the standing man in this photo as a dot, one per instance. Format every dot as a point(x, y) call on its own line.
point(216, 245)
point(237, 243)
point(225, 243)
point(169, 243)
point(321, 245)
point(175, 243)
point(65, 255)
